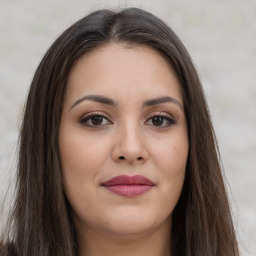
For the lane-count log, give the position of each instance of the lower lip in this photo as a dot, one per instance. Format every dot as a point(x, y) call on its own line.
point(129, 190)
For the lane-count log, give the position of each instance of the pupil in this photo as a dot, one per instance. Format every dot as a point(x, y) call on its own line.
point(157, 120)
point(97, 120)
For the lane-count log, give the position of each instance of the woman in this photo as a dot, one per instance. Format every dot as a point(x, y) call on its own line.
point(117, 150)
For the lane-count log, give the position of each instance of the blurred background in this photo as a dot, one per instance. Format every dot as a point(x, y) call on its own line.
point(221, 38)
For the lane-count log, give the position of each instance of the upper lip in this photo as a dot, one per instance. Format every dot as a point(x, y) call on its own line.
point(128, 180)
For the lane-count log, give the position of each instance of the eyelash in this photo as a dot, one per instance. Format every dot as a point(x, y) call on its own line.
point(88, 118)
point(168, 120)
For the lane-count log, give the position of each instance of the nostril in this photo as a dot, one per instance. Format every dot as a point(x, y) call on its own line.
point(122, 158)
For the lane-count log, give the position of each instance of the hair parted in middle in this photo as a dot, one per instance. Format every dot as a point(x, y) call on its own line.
point(202, 223)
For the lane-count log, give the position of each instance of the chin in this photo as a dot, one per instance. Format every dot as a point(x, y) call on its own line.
point(128, 231)
point(133, 225)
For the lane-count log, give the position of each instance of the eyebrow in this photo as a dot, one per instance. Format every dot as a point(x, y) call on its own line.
point(161, 100)
point(96, 98)
point(111, 102)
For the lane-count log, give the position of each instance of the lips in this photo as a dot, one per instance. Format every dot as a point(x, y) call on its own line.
point(124, 185)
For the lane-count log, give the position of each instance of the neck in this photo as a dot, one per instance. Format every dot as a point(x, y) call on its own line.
point(154, 243)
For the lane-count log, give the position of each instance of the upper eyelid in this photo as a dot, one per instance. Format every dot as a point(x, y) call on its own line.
point(94, 113)
point(164, 116)
point(109, 118)
point(161, 113)
point(86, 118)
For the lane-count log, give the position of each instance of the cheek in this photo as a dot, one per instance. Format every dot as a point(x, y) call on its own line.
point(171, 155)
point(81, 156)
point(171, 159)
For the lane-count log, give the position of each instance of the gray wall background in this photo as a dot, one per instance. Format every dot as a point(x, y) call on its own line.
point(221, 38)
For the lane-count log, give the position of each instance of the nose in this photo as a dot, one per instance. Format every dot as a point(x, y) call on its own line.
point(130, 146)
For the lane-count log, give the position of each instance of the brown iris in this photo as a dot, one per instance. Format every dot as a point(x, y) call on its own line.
point(157, 120)
point(97, 120)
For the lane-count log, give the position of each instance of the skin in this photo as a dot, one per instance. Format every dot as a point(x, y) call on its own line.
point(125, 140)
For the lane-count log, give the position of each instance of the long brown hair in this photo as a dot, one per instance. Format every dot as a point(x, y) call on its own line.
point(41, 224)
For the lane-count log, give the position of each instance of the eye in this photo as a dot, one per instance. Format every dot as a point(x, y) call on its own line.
point(94, 120)
point(161, 121)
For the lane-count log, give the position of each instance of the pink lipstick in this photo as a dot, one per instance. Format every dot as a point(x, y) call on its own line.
point(124, 185)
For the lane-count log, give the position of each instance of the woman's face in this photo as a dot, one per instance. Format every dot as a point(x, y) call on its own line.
point(123, 141)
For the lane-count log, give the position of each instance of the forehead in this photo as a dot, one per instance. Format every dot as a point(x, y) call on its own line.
point(122, 71)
